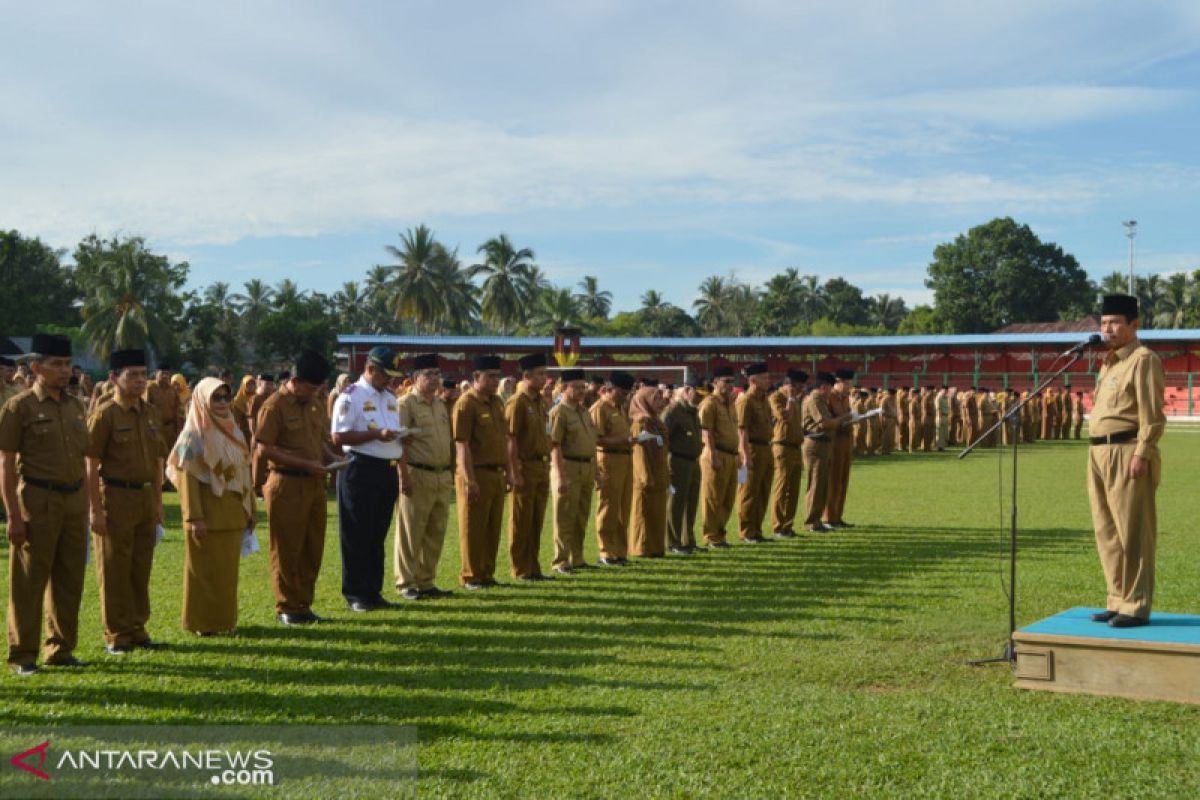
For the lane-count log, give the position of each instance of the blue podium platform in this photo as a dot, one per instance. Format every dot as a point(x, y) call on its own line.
point(1069, 653)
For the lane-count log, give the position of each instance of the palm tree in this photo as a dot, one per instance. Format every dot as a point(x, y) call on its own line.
point(460, 303)
point(505, 270)
point(553, 308)
point(886, 312)
point(1150, 291)
point(1115, 283)
point(350, 307)
point(375, 291)
point(253, 304)
point(652, 300)
point(741, 303)
point(287, 294)
point(710, 306)
point(416, 290)
point(115, 314)
point(1177, 298)
point(812, 299)
point(593, 303)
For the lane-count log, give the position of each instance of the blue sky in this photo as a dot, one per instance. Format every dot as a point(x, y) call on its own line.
point(649, 143)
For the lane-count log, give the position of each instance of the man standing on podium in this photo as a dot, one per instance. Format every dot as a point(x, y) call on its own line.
point(1124, 468)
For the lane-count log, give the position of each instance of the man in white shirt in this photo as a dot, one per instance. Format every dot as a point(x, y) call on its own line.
point(365, 423)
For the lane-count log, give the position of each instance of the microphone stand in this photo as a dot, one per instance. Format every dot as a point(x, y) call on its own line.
point(1010, 651)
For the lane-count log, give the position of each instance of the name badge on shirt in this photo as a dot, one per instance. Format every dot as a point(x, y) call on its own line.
point(485, 415)
point(368, 406)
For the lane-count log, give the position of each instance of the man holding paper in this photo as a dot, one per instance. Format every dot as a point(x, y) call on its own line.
point(291, 436)
point(754, 442)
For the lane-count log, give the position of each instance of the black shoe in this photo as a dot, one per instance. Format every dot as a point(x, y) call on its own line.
point(753, 540)
point(380, 602)
point(361, 606)
point(411, 594)
point(624, 562)
point(491, 583)
point(720, 546)
point(610, 562)
point(472, 586)
point(118, 649)
point(820, 527)
point(316, 617)
point(68, 661)
point(564, 570)
point(434, 592)
point(150, 644)
point(679, 551)
point(25, 670)
point(540, 577)
point(843, 524)
point(785, 534)
point(1103, 616)
point(295, 619)
point(584, 565)
point(1125, 621)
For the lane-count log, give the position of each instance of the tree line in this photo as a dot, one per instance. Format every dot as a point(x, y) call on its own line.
point(116, 292)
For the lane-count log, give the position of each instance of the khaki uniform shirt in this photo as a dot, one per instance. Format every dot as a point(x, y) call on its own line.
point(683, 429)
point(49, 436)
point(432, 445)
point(527, 421)
point(754, 414)
point(1129, 396)
point(814, 412)
point(166, 401)
point(888, 404)
point(610, 421)
point(716, 415)
point(286, 422)
point(572, 429)
point(128, 440)
point(786, 416)
point(480, 424)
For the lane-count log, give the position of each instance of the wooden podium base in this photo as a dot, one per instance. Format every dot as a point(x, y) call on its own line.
point(1069, 653)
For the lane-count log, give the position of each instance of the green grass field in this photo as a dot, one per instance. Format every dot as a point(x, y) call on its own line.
point(827, 666)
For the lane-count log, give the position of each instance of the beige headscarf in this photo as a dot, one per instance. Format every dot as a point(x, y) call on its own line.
point(212, 449)
point(641, 409)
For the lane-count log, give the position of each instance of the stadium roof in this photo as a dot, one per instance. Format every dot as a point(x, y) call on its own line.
point(722, 344)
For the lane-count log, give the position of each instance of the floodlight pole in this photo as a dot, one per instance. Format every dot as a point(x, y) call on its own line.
point(1010, 648)
point(1130, 232)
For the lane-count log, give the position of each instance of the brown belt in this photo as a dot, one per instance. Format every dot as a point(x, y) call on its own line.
point(1114, 438)
point(537, 460)
point(727, 452)
point(787, 444)
point(685, 458)
point(764, 443)
point(496, 467)
point(579, 460)
point(616, 452)
point(294, 473)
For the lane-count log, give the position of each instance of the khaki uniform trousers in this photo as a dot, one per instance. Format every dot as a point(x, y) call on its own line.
point(928, 434)
point(718, 487)
point(914, 434)
point(943, 433)
point(296, 516)
point(47, 572)
point(816, 464)
point(479, 524)
point(754, 495)
point(683, 502)
point(648, 529)
point(421, 518)
point(889, 436)
point(1126, 522)
point(789, 467)
point(124, 557)
point(526, 517)
point(1078, 425)
point(839, 477)
point(902, 429)
point(615, 476)
point(988, 421)
point(572, 509)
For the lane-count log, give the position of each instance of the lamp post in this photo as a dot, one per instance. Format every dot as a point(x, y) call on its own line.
point(1130, 232)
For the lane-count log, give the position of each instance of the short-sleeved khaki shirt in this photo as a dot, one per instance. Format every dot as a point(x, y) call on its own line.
point(49, 436)
point(716, 415)
point(754, 414)
point(572, 429)
point(610, 421)
point(786, 416)
point(813, 413)
point(298, 426)
point(527, 421)
point(127, 440)
point(432, 444)
point(480, 424)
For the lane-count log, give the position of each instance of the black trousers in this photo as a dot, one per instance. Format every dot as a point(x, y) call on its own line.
point(367, 492)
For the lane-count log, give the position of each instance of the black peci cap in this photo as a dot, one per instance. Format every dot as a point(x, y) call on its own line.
point(483, 363)
point(722, 372)
point(312, 368)
point(50, 344)
point(759, 368)
point(797, 375)
point(621, 380)
point(120, 359)
point(844, 374)
point(826, 377)
point(1123, 304)
point(568, 375)
point(427, 361)
point(531, 361)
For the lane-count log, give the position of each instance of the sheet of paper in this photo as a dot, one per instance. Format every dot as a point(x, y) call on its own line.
point(336, 465)
point(743, 473)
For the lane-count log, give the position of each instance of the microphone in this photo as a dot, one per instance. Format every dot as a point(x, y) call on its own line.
point(1091, 341)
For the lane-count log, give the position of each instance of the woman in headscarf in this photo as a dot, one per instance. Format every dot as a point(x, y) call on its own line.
point(210, 465)
point(343, 380)
point(651, 480)
point(241, 405)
